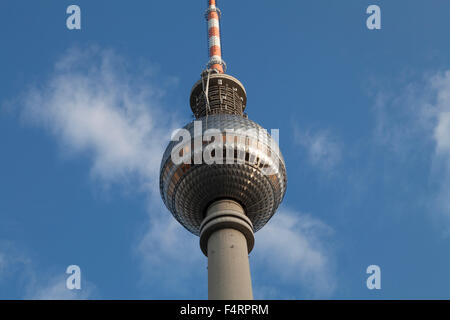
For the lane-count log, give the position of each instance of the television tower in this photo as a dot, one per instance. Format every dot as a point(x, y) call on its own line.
point(226, 200)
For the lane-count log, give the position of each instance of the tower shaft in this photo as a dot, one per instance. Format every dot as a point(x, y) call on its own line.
point(227, 237)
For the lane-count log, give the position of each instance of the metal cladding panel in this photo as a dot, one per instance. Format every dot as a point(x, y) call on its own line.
point(257, 182)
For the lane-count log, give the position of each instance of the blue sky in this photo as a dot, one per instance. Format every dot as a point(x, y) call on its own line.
point(364, 119)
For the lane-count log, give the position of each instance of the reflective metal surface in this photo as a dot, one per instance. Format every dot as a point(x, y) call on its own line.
point(257, 181)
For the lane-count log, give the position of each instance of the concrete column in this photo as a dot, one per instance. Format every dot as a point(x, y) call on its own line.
point(226, 238)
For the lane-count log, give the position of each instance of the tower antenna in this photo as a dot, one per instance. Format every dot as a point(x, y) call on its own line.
point(215, 51)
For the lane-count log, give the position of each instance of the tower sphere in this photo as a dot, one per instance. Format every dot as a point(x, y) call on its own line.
point(253, 172)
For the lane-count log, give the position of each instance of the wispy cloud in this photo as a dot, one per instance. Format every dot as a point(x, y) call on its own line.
point(172, 266)
point(97, 106)
point(440, 83)
point(414, 122)
point(54, 288)
point(441, 133)
point(323, 150)
point(32, 282)
point(292, 247)
point(3, 262)
point(11, 260)
point(94, 106)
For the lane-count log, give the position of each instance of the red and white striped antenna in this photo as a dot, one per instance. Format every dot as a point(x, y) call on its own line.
point(215, 52)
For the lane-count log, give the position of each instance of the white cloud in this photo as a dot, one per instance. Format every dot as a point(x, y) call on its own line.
point(415, 123)
point(403, 118)
point(12, 260)
point(54, 288)
point(173, 265)
point(16, 266)
point(3, 263)
point(322, 148)
point(95, 107)
point(441, 134)
point(440, 83)
point(292, 248)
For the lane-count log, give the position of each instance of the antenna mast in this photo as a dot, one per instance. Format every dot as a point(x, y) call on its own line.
point(215, 52)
